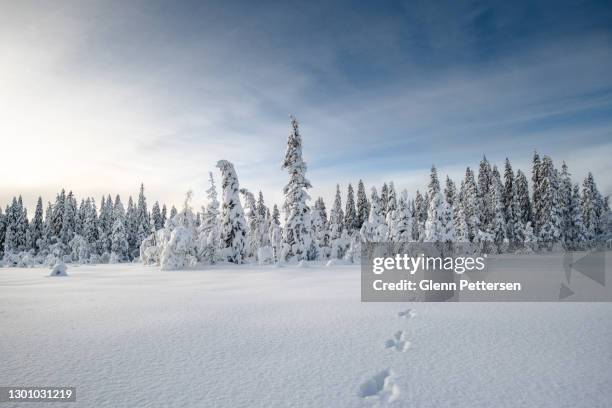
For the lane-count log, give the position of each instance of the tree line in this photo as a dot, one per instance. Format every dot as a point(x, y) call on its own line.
point(494, 213)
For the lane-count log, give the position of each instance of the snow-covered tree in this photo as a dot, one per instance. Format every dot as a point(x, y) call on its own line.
point(156, 217)
point(536, 186)
point(471, 205)
point(363, 206)
point(508, 200)
point(178, 241)
point(208, 231)
point(450, 192)
point(143, 221)
point(375, 229)
point(401, 230)
point(275, 234)
point(252, 218)
point(391, 198)
point(350, 213)
point(297, 238)
point(550, 220)
point(233, 227)
point(36, 226)
point(68, 219)
point(336, 216)
point(384, 199)
point(320, 231)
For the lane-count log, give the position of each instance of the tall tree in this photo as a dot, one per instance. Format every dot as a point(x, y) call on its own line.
point(36, 226)
point(363, 207)
point(144, 222)
point(350, 213)
point(297, 238)
point(232, 223)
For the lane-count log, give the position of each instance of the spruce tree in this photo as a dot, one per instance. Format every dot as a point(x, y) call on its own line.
point(508, 200)
point(350, 214)
point(450, 191)
point(363, 207)
point(233, 227)
point(209, 231)
point(297, 238)
point(2, 232)
point(384, 199)
point(36, 226)
point(550, 221)
point(68, 219)
point(156, 217)
point(336, 216)
point(143, 220)
point(536, 181)
point(164, 216)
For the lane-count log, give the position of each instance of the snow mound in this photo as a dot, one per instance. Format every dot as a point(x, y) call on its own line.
point(59, 270)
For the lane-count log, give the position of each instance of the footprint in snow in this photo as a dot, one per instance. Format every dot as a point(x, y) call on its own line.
point(380, 388)
point(407, 314)
point(398, 342)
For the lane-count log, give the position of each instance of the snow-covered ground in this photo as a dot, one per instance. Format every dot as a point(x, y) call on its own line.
point(133, 336)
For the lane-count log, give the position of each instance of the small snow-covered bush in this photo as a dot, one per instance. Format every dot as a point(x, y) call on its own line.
point(179, 251)
point(60, 269)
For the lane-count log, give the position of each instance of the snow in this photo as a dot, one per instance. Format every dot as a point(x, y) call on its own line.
point(261, 336)
point(59, 269)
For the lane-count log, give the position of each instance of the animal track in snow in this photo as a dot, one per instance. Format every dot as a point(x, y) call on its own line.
point(380, 388)
point(407, 314)
point(398, 342)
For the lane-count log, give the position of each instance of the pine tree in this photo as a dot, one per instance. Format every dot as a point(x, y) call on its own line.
point(91, 227)
point(2, 232)
point(391, 198)
point(450, 192)
point(163, 215)
point(536, 187)
point(485, 181)
point(363, 207)
point(36, 226)
point(297, 238)
point(590, 216)
point(550, 221)
point(143, 220)
point(119, 242)
point(402, 229)
point(131, 229)
point(233, 227)
point(58, 212)
point(321, 206)
point(68, 219)
point(209, 231)
point(336, 216)
point(435, 227)
point(350, 215)
point(173, 212)
point(156, 217)
point(252, 219)
point(471, 205)
point(275, 233)
point(384, 199)
point(418, 217)
point(11, 240)
point(498, 224)
point(375, 229)
point(508, 200)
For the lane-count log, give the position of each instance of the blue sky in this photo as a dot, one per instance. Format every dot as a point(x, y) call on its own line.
point(98, 96)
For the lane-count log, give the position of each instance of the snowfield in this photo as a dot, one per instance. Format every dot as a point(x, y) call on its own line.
point(251, 336)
